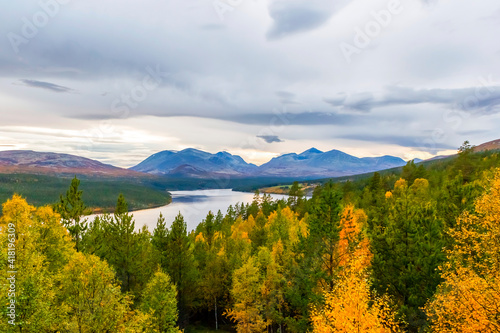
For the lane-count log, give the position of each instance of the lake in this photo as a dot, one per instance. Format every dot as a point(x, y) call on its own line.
point(194, 207)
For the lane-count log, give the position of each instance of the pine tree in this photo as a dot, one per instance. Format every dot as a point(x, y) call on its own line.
point(122, 250)
point(181, 266)
point(159, 240)
point(324, 228)
point(408, 248)
point(72, 208)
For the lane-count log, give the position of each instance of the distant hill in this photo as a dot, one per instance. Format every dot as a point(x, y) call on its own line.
point(491, 145)
point(310, 164)
point(31, 162)
point(195, 163)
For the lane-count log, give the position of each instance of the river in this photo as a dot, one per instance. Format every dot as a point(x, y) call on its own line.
point(193, 205)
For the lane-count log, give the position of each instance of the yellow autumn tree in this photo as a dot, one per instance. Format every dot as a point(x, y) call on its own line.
point(469, 298)
point(350, 306)
point(91, 296)
point(246, 292)
point(34, 244)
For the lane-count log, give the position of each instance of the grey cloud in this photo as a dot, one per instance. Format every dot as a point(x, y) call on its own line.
point(304, 119)
point(211, 27)
point(473, 132)
point(46, 85)
point(405, 141)
point(229, 71)
point(270, 138)
point(293, 16)
point(286, 97)
point(264, 119)
point(285, 94)
point(481, 99)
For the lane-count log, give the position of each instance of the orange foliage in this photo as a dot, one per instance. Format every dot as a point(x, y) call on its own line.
point(350, 306)
point(469, 298)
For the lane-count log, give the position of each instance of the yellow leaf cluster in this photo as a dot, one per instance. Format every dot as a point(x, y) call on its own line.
point(469, 298)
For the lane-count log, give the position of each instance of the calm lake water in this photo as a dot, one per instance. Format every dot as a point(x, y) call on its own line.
point(194, 206)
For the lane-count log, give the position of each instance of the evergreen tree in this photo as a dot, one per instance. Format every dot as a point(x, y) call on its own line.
point(72, 209)
point(122, 250)
point(159, 240)
point(408, 248)
point(324, 228)
point(181, 267)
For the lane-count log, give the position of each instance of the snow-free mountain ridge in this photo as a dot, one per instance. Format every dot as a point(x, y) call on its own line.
point(311, 163)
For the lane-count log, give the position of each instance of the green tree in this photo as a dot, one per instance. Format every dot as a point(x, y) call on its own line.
point(159, 239)
point(122, 250)
point(408, 248)
point(94, 239)
point(412, 172)
point(91, 297)
point(295, 196)
point(160, 301)
point(324, 228)
point(181, 266)
point(466, 161)
point(72, 208)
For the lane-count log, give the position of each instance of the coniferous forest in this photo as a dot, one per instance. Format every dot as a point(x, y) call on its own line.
point(416, 250)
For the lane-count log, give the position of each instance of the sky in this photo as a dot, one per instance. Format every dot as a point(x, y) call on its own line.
point(120, 80)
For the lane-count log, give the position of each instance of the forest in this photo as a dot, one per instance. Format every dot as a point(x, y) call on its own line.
point(416, 250)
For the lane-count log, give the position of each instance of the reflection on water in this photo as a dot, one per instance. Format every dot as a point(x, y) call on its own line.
point(194, 206)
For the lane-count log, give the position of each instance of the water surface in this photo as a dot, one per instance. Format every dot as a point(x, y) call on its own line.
point(194, 206)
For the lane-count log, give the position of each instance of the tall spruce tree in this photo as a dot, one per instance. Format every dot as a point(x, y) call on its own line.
point(72, 209)
point(181, 266)
point(408, 248)
point(122, 250)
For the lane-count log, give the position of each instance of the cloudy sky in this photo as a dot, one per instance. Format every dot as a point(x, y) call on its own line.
point(120, 80)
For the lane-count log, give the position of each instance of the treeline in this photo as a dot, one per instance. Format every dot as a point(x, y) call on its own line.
point(417, 251)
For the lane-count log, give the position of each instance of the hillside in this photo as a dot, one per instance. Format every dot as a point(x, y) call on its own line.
point(491, 145)
point(100, 194)
point(31, 162)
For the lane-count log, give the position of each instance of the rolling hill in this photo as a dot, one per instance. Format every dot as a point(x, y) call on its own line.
point(31, 162)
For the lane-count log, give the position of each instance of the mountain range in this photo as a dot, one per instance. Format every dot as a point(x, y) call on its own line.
point(310, 164)
point(193, 163)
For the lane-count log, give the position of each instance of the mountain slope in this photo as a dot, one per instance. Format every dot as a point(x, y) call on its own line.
point(194, 163)
point(491, 145)
point(313, 164)
point(28, 161)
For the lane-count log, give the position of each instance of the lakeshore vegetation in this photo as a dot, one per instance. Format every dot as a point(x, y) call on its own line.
point(416, 250)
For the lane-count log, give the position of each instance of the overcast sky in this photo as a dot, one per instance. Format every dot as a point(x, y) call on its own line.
point(120, 80)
